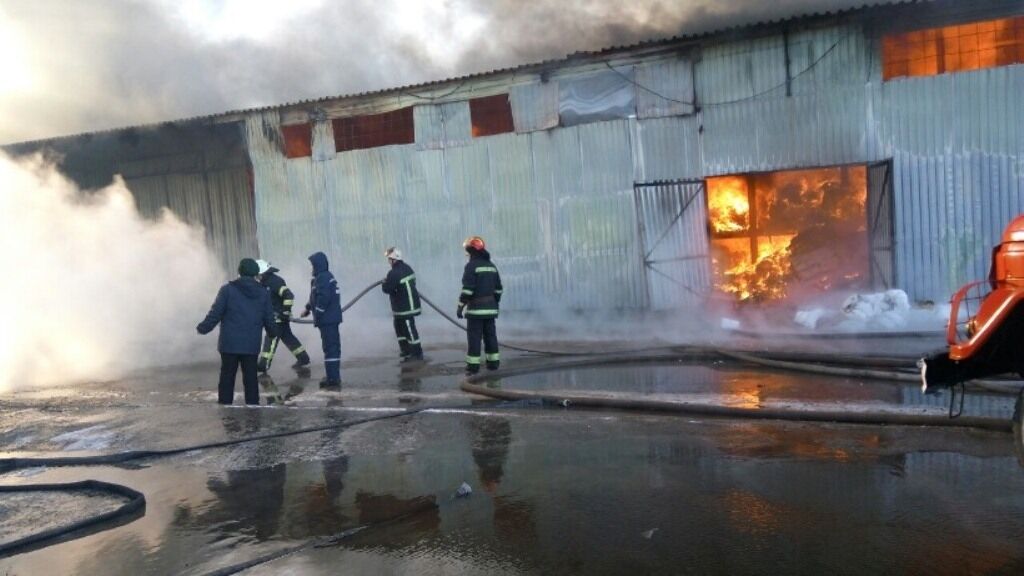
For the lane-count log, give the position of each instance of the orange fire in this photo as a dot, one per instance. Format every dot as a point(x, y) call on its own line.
point(728, 204)
point(763, 278)
point(771, 232)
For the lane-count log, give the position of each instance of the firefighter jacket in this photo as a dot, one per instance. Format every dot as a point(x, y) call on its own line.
point(243, 310)
point(324, 295)
point(481, 286)
point(400, 285)
point(281, 297)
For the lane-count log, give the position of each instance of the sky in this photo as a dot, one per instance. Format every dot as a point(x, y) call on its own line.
point(71, 66)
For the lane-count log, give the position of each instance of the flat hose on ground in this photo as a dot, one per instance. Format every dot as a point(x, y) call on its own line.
point(987, 385)
point(135, 505)
point(136, 499)
point(474, 385)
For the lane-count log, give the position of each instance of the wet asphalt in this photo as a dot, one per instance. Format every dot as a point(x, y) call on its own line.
point(554, 491)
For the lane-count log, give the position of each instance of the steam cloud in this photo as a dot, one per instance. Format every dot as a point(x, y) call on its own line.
point(91, 289)
point(81, 66)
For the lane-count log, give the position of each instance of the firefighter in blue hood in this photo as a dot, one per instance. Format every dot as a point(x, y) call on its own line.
point(243, 310)
point(325, 305)
point(478, 303)
point(282, 299)
point(400, 285)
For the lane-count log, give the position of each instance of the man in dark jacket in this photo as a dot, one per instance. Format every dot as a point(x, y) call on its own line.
point(400, 285)
point(325, 305)
point(243, 310)
point(478, 302)
point(282, 299)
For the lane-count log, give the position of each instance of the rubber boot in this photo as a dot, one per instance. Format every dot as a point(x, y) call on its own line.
point(415, 354)
point(301, 361)
point(493, 365)
point(326, 384)
point(472, 369)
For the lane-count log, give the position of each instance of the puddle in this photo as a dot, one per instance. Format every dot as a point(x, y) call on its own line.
point(554, 491)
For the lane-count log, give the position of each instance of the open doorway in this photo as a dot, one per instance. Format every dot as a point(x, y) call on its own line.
point(796, 234)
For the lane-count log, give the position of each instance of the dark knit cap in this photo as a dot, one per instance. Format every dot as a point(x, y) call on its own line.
point(248, 267)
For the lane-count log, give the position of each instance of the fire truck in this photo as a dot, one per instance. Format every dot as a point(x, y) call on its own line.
point(986, 325)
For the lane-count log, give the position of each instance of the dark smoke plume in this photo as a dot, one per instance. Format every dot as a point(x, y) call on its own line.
point(84, 66)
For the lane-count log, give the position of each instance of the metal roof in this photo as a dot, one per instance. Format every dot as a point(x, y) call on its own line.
point(574, 57)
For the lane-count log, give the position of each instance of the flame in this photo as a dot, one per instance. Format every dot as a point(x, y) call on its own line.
point(764, 278)
point(728, 204)
point(754, 249)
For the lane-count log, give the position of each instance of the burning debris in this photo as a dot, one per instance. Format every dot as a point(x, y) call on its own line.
point(792, 234)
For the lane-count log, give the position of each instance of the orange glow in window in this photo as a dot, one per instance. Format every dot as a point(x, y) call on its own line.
point(954, 48)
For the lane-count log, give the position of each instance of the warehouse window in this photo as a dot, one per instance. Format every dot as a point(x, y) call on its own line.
point(491, 115)
point(359, 132)
point(298, 140)
point(954, 48)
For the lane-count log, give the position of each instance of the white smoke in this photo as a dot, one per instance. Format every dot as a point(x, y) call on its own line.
point(90, 289)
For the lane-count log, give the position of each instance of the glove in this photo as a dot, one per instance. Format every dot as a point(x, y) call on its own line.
point(304, 313)
point(458, 312)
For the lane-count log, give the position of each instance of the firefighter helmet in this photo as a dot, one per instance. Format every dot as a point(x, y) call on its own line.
point(474, 242)
point(393, 253)
point(264, 266)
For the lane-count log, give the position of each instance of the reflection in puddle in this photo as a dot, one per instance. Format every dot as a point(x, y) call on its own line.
point(572, 492)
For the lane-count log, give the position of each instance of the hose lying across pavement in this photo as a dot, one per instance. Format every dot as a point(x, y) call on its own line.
point(476, 385)
point(132, 508)
point(136, 500)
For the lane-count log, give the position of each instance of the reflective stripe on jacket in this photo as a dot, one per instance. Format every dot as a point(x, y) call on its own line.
point(481, 286)
point(400, 286)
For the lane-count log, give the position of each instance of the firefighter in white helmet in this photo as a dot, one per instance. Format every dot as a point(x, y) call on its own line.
point(400, 286)
point(282, 299)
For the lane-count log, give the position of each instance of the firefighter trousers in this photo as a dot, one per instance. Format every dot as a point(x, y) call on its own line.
point(285, 334)
point(478, 329)
point(330, 339)
point(408, 336)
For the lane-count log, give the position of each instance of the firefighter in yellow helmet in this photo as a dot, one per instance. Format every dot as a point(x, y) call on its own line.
point(478, 303)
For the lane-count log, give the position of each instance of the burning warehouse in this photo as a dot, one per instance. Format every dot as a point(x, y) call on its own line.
point(865, 149)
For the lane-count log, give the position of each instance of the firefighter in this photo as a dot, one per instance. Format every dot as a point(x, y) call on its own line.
point(243, 310)
point(282, 299)
point(325, 305)
point(478, 303)
point(400, 286)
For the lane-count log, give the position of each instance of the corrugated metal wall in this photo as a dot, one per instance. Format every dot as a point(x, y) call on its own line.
point(557, 204)
point(957, 141)
point(550, 203)
point(217, 199)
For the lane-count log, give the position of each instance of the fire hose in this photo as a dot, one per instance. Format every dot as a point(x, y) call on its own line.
point(476, 385)
point(460, 326)
point(136, 500)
